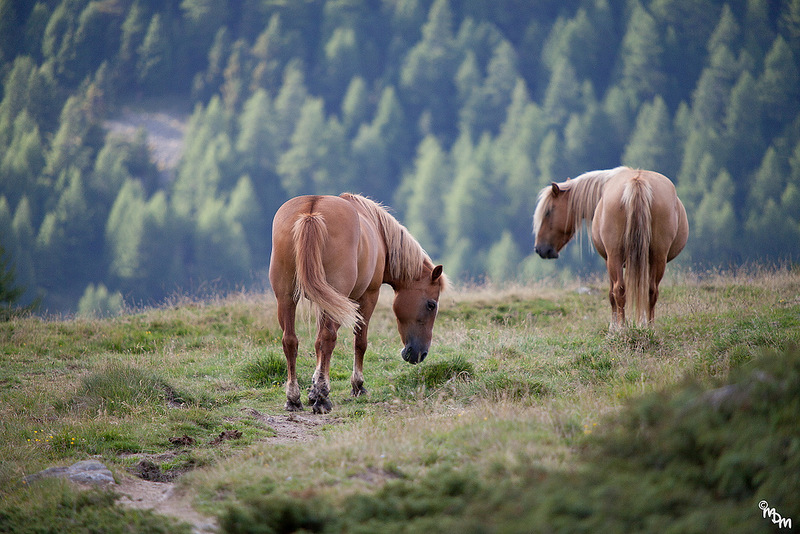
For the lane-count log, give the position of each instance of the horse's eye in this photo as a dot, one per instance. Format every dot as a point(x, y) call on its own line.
point(431, 305)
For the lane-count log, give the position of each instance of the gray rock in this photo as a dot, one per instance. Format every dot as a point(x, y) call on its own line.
point(84, 472)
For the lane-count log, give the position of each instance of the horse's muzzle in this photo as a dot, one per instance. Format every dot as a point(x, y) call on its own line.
point(546, 251)
point(413, 355)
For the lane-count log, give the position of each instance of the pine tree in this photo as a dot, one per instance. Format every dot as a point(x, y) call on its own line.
point(301, 166)
point(124, 233)
point(502, 262)
point(22, 227)
point(790, 23)
point(641, 57)
point(652, 143)
point(563, 94)
point(424, 190)
point(714, 223)
point(221, 254)
point(154, 61)
point(98, 301)
point(69, 244)
point(342, 61)
point(269, 52)
point(471, 208)
point(288, 105)
point(23, 160)
point(256, 143)
point(10, 293)
point(355, 107)
point(743, 125)
point(779, 84)
point(428, 71)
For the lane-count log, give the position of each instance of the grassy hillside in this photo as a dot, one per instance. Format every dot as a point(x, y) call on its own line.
point(526, 416)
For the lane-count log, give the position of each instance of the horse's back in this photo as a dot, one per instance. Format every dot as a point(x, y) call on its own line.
point(669, 225)
point(340, 222)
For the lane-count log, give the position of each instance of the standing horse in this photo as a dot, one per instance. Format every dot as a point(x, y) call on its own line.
point(337, 252)
point(638, 225)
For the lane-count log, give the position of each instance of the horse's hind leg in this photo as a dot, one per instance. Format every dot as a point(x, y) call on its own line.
point(657, 268)
point(286, 317)
point(321, 381)
point(616, 293)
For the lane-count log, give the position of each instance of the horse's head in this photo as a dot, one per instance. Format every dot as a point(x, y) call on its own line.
point(552, 223)
point(416, 303)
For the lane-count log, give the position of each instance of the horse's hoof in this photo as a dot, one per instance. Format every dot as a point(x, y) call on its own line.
point(322, 406)
point(357, 392)
point(294, 406)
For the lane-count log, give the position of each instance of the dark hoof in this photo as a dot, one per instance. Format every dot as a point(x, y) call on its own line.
point(294, 406)
point(359, 391)
point(322, 406)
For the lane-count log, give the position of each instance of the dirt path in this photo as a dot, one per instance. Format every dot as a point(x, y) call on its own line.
point(163, 498)
point(166, 498)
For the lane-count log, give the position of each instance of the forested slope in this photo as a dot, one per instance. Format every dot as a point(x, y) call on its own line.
point(454, 112)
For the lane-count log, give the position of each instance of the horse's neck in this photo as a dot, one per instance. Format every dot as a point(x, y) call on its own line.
point(585, 195)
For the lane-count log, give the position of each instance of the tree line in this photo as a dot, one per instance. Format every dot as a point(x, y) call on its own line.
point(453, 112)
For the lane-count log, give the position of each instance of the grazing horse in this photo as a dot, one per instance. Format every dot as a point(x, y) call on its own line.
point(638, 225)
point(337, 252)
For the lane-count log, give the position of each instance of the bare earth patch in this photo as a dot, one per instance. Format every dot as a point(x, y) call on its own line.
point(293, 427)
point(167, 499)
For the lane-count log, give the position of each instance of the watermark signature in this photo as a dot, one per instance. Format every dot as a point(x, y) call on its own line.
point(774, 516)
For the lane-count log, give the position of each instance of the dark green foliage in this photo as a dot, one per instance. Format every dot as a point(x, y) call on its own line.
point(455, 113)
point(9, 292)
point(277, 515)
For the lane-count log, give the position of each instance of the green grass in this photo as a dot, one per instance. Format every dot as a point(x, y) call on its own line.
point(522, 400)
point(268, 370)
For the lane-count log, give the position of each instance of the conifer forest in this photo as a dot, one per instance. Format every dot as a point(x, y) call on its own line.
point(454, 113)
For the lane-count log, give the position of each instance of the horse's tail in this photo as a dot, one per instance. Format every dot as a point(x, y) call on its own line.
point(637, 199)
point(310, 233)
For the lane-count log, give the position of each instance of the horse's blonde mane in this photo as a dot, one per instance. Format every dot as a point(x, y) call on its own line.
point(586, 191)
point(406, 257)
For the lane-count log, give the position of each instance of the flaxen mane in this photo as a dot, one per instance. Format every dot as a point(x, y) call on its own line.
point(586, 192)
point(406, 255)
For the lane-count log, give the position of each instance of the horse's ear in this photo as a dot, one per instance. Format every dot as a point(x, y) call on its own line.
point(436, 273)
point(556, 189)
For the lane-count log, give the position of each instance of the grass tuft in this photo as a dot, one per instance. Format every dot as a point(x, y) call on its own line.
point(119, 388)
point(268, 370)
point(434, 375)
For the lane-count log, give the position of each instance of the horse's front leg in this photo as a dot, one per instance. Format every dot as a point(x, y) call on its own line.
point(367, 304)
point(321, 380)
